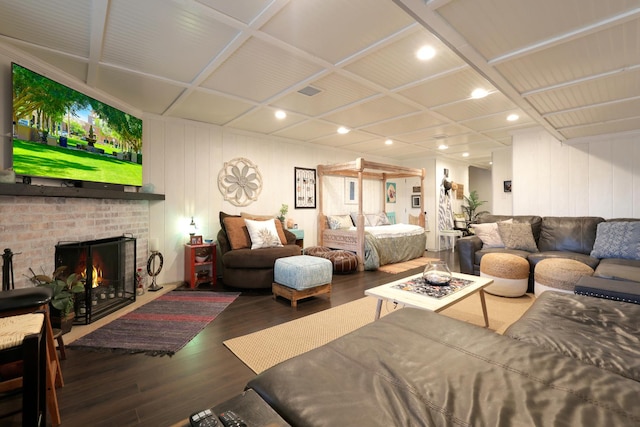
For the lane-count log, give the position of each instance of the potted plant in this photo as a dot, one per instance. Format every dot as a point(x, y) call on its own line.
point(283, 211)
point(63, 301)
point(473, 203)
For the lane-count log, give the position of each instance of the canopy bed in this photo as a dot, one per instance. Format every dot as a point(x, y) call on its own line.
point(385, 244)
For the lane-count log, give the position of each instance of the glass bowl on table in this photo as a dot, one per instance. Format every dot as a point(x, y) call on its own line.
point(437, 273)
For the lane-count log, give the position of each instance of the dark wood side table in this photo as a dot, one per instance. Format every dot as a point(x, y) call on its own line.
point(200, 264)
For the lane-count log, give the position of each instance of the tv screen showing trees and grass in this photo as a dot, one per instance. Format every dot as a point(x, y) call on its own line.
point(61, 133)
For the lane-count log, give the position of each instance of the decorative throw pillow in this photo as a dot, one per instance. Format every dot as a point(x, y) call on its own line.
point(379, 218)
point(354, 219)
point(517, 235)
point(337, 222)
point(263, 234)
point(619, 239)
point(488, 233)
point(237, 232)
point(414, 219)
point(279, 228)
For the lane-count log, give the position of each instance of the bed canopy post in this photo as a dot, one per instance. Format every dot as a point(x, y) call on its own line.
point(360, 218)
point(421, 218)
point(321, 218)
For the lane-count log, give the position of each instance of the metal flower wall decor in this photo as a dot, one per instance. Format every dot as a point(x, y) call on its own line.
point(240, 182)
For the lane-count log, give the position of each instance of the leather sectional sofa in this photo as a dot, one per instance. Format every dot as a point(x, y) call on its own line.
point(555, 237)
point(419, 368)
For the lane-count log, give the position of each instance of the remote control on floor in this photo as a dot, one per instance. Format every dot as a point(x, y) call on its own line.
point(205, 418)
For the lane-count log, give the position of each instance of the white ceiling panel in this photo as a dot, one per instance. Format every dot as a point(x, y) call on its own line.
point(244, 11)
point(150, 95)
point(396, 64)
point(448, 88)
point(162, 38)
point(404, 125)
point(335, 91)
point(571, 67)
point(335, 29)
point(259, 71)
point(262, 120)
point(383, 108)
point(210, 108)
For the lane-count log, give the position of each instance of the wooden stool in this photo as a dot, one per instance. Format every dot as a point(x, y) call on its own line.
point(21, 340)
point(29, 300)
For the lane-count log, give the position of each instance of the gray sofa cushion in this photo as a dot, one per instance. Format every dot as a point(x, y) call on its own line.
point(597, 331)
point(419, 368)
point(572, 234)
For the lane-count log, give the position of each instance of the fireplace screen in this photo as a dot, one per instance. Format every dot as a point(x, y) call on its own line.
point(108, 270)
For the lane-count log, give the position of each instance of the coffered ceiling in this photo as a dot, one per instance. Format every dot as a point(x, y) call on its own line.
point(571, 66)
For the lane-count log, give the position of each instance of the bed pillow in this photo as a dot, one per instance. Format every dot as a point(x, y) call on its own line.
point(237, 232)
point(263, 234)
point(619, 239)
point(337, 222)
point(414, 219)
point(354, 219)
point(517, 235)
point(379, 218)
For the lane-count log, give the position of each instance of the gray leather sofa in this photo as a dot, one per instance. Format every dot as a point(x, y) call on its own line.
point(555, 237)
point(419, 368)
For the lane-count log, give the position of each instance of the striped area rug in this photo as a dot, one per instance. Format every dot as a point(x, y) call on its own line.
point(160, 327)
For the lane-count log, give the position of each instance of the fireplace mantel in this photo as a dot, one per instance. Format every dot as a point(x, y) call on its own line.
point(75, 192)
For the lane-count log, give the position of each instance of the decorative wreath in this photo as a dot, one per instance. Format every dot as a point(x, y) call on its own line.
point(150, 262)
point(240, 182)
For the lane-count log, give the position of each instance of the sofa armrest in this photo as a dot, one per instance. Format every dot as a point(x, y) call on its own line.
point(291, 238)
point(467, 248)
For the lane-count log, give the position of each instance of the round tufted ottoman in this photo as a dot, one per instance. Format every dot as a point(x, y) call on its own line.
point(510, 274)
point(316, 250)
point(559, 274)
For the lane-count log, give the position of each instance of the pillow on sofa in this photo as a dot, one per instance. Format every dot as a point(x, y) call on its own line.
point(489, 235)
point(517, 235)
point(618, 239)
point(263, 234)
point(279, 228)
point(337, 222)
point(237, 232)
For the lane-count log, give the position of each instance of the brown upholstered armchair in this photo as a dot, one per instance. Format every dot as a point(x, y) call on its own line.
point(248, 268)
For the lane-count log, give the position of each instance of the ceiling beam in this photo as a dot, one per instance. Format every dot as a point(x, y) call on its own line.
point(99, 13)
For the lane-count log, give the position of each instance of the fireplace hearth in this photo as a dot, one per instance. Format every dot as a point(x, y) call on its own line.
point(107, 268)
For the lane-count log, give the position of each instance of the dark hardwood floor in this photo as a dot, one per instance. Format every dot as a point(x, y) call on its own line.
point(106, 389)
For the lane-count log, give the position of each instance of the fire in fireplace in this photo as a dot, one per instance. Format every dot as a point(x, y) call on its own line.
point(108, 270)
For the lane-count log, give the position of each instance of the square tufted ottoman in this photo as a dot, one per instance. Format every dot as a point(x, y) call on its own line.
point(303, 276)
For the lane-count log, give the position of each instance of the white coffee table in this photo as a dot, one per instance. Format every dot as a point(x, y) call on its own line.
point(410, 299)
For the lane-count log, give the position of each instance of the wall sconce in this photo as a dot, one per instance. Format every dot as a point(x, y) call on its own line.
point(192, 227)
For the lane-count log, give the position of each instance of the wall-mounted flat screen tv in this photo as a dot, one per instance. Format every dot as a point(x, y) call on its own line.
point(61, 133)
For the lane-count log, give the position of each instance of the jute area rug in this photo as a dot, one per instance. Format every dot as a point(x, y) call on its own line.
point(407, 265)
point(268, 347)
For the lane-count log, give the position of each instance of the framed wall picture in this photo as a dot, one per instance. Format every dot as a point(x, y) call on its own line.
point(416, 189)
point(391, 192)
point(195, 240)
point(460, 192)
point(351, 191)
point(304, 185)
point(415, 201)
point(507, 186)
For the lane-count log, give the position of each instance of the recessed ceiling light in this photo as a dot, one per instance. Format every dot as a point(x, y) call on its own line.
point(513, 117)
point(388, 142)
point(280, 115)
point(443, 146)
point(343, 130)
point(465, 154)
point(479, 93)
point(425, 53)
